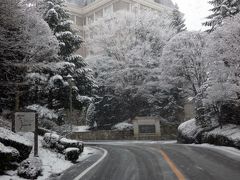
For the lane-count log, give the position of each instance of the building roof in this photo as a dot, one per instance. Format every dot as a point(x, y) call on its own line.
point(83, 3)
point(83, 7)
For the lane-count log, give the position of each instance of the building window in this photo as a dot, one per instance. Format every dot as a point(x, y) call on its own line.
point(99, 14)
point(147, 129)
point(79, 21)
point(90, 19)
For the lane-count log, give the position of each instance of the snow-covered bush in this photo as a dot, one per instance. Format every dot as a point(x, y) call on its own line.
point(228, 135)
point(8, 138)
point(67, 143)
point(30, 168)
point(72, 154)
point(8, 155)
point(50, 140)
point(60, 144)
point(188, 131)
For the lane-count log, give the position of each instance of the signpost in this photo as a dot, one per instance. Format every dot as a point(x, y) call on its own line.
point(28, 122)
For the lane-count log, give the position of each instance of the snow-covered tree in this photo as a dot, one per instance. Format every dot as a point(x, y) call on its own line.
point(130, 37)
point(127, 50)
point(26, 41)
point(50, 84)
point(182, 61)
point(178, 21)
point(221, 9)
point(222, 90)
point(58, 19)
point(183, 66)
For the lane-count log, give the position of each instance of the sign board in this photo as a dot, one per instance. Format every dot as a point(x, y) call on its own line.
point(25, 121)
point(147, 129)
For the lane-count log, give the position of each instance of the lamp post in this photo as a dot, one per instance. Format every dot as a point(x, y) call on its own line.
point(70, 82)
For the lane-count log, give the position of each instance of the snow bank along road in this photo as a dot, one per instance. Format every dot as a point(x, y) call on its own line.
point(149, 161)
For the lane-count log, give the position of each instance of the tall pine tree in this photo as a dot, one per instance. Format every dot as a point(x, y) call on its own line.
point(58, 19)
point(178, 22)
point(221, 9)
point(52, 77)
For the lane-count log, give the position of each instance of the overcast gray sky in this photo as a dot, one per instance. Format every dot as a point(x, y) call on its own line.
point(195, 11)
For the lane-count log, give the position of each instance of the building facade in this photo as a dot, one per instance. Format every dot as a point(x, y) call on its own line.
point(85, 12)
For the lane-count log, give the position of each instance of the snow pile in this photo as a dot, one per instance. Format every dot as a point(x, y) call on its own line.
point(30, 168)
point(188, 131)
point(81, 129)
point(229, 135)
point(123, 126)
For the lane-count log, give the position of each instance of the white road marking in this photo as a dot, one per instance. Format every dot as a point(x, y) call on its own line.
point(92, 166)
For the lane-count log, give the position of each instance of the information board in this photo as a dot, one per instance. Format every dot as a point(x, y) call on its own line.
point(25, 121)
point(147, 129)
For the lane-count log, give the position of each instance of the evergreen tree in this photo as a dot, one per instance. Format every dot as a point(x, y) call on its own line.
point(178, 22)
point(221, 9)
point(58, 19)
point(52, 77)
point(26, 40)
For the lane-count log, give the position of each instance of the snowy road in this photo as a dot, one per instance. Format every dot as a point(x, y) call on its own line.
point(149, 161)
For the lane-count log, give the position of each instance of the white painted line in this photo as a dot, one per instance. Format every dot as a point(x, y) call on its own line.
point(92, 166)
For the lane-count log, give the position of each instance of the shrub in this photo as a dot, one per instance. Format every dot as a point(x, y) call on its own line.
point(72, 154)
point(8, 138)
point(30, 168)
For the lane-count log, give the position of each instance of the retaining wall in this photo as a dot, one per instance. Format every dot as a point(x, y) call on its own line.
point(167, 133)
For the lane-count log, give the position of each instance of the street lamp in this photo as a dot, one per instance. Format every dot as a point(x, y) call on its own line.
point(70, 81)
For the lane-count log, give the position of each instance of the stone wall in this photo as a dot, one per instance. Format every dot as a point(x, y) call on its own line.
point(103, 135)
point(167, 133)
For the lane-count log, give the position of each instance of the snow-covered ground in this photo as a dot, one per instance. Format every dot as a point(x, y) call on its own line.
point(87, 152)
point(53, 163)
point(229, 151)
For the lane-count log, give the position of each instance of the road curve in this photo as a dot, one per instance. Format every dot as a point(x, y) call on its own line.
point(135, 161)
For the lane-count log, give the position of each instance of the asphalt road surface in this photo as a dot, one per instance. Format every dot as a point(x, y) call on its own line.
point(136, 161)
